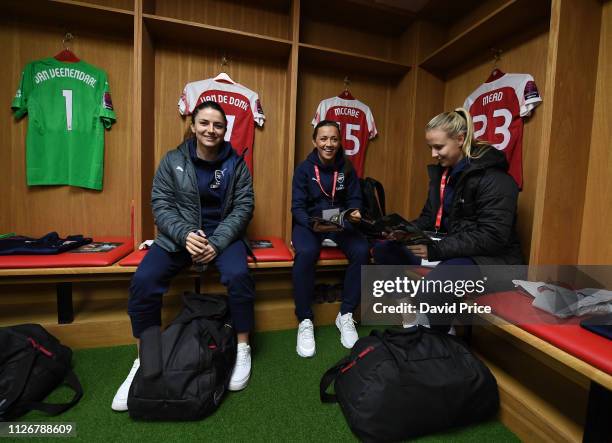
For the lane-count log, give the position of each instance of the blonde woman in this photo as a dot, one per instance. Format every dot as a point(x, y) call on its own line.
point(472, 203)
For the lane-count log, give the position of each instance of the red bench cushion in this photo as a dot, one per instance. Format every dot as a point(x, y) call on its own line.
point(278, 252)
point(71, 259)
point(331, 254)
point(565, 334)
point(134, 258)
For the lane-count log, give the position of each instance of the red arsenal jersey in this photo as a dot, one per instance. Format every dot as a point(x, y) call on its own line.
point(241, 106)
point(356, 126)
point(497, 108)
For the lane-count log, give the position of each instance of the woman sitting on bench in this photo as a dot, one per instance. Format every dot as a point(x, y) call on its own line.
point(477, 214)
point(324, 184)
point(202, 201)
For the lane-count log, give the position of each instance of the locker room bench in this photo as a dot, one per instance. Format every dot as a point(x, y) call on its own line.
point(562, 345)
point(63, 270)
point(574, 351)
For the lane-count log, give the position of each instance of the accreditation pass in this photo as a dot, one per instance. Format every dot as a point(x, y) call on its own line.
point(37, 429)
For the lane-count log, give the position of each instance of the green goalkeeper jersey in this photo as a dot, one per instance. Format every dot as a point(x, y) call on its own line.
point(68, 107)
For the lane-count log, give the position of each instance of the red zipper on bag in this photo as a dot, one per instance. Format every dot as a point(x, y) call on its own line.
point(365, 351)
point(40, 347)
point(362, 354)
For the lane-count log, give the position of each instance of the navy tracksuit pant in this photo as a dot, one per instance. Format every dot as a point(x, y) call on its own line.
point(460, 268)
point(152, 280)
point(307, 245)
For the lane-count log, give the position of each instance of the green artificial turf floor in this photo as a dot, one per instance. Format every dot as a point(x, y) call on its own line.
point(281, 402)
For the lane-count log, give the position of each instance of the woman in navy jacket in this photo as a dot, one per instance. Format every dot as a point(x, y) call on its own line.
point(325, 181)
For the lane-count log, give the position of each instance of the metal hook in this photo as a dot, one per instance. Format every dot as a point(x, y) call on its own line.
point(496, 56)
point(67, 39)
point(347, 82)
point(224, 60)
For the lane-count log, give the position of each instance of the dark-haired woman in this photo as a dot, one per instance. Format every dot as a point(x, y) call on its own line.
point(202, 201)
point(325, 182)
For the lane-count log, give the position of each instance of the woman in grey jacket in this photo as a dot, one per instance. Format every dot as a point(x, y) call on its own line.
point(202, 201)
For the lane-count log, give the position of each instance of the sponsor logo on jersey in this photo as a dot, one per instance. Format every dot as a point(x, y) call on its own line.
point(178, 168)
point(108, 103)
point(18, 93)
point(531, 90)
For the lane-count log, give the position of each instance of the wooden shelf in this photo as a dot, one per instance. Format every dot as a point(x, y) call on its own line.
point(513, 16)
point(71, 14)
point(168, 29)
point(350, 61)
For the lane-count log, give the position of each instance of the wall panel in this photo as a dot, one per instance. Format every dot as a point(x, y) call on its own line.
point(261, 17)
point(529, 56)
point(176, 66)
point(37, 210)
point(595, 240)
point(386, 98)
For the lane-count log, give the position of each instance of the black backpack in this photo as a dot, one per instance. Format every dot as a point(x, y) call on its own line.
point(373, 198)
point(32, 364)
point(401, 384)
point(185, 370)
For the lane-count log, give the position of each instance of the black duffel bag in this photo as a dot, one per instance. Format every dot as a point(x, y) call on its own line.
point(184, 371)
point(404, 383)
point(32, 364)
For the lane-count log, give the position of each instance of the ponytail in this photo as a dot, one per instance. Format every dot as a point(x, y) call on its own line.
point(455, 123)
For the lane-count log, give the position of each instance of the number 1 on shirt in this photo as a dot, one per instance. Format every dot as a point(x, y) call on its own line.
point(67, 93)
point(230, 126)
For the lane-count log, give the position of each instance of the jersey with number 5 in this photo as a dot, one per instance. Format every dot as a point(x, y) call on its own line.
point(356, 126)
point(497, 108)
point(241, 106)
point(68, 107)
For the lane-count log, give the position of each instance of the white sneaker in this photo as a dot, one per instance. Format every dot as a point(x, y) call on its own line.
point(305, 339)
point(348, 333)
point(242, 369)
point(120, 400)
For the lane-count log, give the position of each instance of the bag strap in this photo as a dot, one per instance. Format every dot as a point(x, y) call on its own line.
point(23, 373)
point(328, 378)
point(73, 383)
point(378, 194)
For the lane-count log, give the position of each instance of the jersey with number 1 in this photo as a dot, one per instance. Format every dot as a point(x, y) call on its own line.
point(357, 126)
point(68, 107)
point(241, 107)
point(497, 108)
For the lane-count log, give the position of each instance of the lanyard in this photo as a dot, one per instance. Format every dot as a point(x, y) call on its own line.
point(316, 168)
point(442, 188)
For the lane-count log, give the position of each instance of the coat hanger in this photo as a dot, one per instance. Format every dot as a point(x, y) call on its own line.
point(346, 94)
point(66, 55)
point(222, 76)
point(496, 72)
